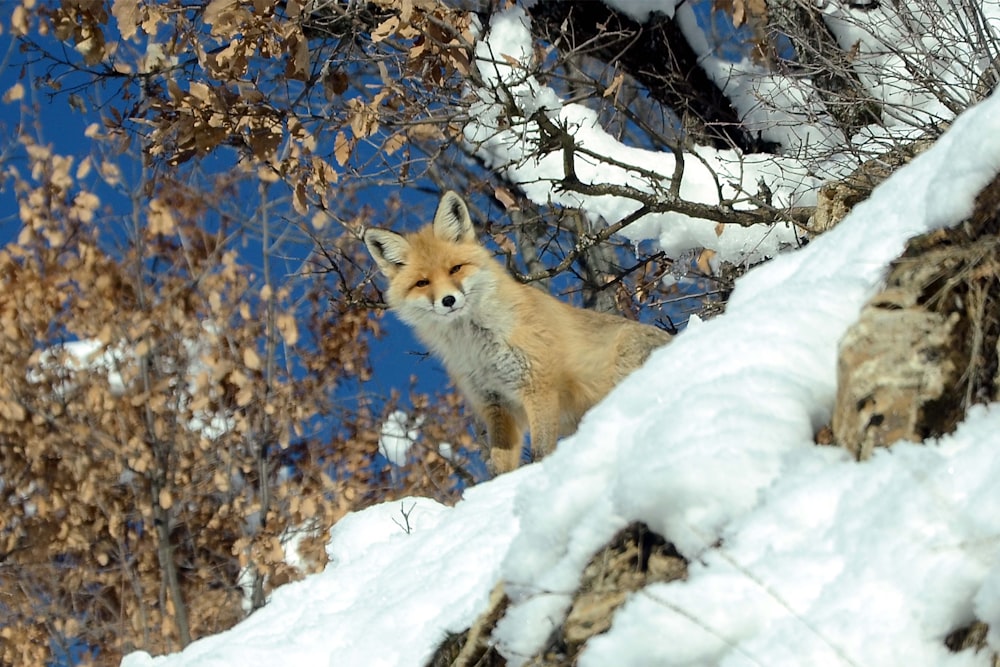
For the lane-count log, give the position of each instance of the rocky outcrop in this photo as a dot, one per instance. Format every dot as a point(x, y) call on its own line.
point(926, 347)
point(635, 558)
point(836, 199)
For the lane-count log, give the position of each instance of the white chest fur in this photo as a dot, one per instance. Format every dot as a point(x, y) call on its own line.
point(478, 356)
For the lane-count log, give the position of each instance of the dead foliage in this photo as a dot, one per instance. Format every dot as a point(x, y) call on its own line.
point(170, 423)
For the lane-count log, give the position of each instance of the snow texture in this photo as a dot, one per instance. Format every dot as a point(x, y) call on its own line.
point(397, 437)
point(798, 554)
point(640, 10)
point(401, 576)
point(934, 37)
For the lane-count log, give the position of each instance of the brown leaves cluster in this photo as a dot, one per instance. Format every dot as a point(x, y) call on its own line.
point(295, 88)
point(169, 424)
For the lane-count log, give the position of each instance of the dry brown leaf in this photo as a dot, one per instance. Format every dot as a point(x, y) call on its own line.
point(394, 143)
point(127, 13)
point(342, 148)
point(505, 243)
point(251, 359)
point(298, 64)
point(510, 60)
point(739, 13)
point(84, 169)
point(506, 197)
point(289, 328)
point(161, 218)
point(425, 131)
point(216, 12)
point(110, 173)
point(299, 200)
point(19, 21)
point(165, 499)
point(384, 29)
point(154, 17)
point(616, 83)
point(12, 411)
point(14, 94)
point(704, 261)
point(757, 8)
point(335, 81)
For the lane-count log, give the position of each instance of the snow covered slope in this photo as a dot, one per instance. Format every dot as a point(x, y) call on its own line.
point(822, 561)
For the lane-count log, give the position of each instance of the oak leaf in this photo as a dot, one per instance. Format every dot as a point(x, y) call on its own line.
point(342, 148)
point(127, 13)
point(14, 94)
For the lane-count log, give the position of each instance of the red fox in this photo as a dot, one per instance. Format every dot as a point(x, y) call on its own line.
point(522, 358)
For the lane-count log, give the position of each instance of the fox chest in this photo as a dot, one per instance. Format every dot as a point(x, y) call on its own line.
point(482, 362)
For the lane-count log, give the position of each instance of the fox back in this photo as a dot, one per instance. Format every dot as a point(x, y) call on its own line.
point(522, 358)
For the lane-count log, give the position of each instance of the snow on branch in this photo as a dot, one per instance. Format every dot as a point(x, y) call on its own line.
point(558, 154)
point(849, 85)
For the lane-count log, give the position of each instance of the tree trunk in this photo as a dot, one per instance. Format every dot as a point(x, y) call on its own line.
point(673, 77)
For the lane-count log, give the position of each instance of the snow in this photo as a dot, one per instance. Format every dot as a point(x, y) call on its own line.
point(94, 355)
point(640, 10)
point(81, 355)
point(397, 436)
point(401, 575)
point(798, 555)
point(932, 36)
point(830, 562)
point(785, 110)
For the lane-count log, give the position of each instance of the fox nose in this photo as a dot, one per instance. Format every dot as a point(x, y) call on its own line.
point(448, 301)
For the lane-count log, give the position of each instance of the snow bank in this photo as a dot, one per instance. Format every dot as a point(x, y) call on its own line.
point(922, 60)
point(401, 576)
point(841, 564)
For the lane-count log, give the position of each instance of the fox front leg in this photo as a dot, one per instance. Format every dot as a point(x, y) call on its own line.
point(542, 408)
point(505, 439)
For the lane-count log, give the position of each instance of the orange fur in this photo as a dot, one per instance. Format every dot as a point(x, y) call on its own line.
point(523, 359)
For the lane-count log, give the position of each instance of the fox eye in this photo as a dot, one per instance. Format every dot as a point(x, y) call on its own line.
point(423, 282)
point(455, 269)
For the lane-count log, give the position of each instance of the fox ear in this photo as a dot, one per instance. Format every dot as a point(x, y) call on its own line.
point(388, 249)
point(452, 222)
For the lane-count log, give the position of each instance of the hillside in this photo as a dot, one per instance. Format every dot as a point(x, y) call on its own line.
point(796, 553)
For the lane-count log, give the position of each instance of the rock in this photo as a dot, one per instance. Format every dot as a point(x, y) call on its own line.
point(895, 367)
point(928, 346)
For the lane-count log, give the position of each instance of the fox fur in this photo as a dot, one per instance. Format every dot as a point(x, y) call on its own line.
point(523, 359)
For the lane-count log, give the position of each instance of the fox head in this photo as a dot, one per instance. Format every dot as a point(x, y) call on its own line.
point(437, 273)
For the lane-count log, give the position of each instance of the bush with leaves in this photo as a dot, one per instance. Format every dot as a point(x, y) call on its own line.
point(169, 425)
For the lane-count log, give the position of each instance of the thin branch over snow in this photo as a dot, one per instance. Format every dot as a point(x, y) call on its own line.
point(558, 154)
point(905, 69)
